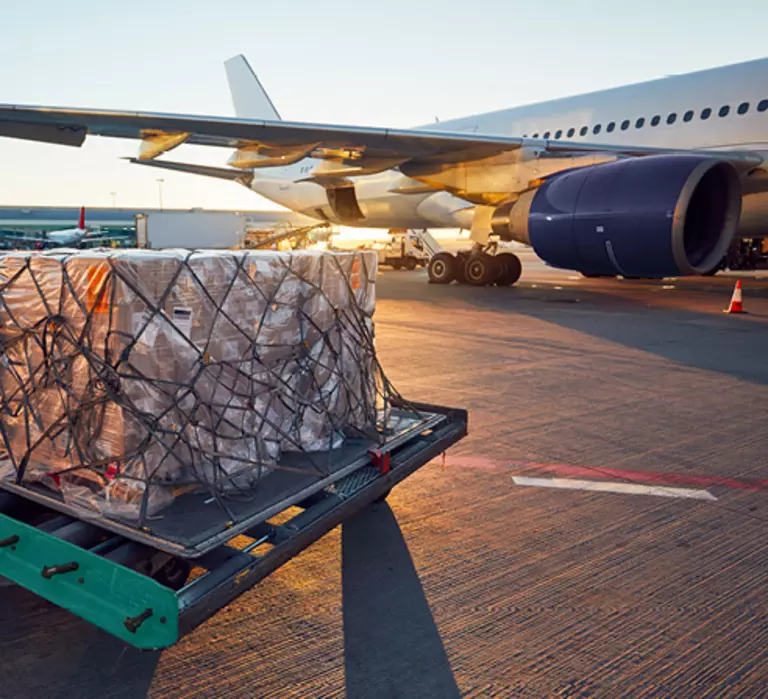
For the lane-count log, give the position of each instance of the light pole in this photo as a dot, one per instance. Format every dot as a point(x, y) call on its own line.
point(114, 199)
point(160, 182)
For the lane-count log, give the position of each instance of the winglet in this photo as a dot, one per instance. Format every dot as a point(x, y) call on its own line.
point(81, 222)
point(249, 97)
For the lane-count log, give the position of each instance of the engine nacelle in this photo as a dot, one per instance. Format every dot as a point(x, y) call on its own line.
point(656, 216)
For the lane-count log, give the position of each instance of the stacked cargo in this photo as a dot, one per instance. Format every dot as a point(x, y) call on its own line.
point(129, 377)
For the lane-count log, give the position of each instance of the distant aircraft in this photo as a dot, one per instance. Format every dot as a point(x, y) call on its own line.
point(69, 236)
point(663, 178)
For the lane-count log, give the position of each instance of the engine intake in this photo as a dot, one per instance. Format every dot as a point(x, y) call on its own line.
point(657, 216)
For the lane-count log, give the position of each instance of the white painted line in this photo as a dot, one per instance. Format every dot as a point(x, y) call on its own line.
point(613, 487)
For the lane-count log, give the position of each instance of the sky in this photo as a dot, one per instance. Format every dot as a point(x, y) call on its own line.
point(397, 63)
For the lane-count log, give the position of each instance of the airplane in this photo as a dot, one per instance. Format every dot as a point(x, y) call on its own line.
point(65, 237)
point(657, 179)
point(69, 236)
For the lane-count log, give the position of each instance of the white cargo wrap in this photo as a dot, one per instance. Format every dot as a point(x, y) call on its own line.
point(129, 377)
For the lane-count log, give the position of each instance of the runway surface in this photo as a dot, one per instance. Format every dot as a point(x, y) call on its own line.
point(503, 574)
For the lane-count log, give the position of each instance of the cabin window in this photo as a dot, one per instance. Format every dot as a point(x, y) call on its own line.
point(583, 131)
point(547, 134)
point(558, 133)
point(640, 123)
point(571, 131)
point(610, 127)
point(706, 113)
point(625, 124)
point(597, 128)
point(688, 115)
point(743, 108)
point(672, 118)
point(724, 111)
point(655, 121)
point(762, 106)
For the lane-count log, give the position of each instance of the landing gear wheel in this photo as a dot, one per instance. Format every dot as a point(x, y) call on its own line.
point(461, 263)
point(174, 573)
point(480, 269)
point(510, 269)
point(409, 263)
point(442, 268)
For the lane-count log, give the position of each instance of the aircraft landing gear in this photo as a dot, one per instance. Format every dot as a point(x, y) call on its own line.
point(442, 268)
point(478, 268)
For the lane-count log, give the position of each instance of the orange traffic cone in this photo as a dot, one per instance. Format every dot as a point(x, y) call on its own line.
point(736, 304)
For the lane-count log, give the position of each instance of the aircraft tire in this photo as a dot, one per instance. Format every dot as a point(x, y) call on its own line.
point(442, 268)
point(461, 261)
point(480, 269)
point(510, 269)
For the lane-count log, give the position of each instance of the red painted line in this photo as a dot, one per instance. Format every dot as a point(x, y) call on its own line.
point(645, 476)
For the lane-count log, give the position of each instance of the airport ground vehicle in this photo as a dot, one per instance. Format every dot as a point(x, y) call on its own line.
point(136, 583)
point(408, 249)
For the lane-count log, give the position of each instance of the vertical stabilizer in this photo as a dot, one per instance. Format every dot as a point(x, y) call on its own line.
point(248, 96)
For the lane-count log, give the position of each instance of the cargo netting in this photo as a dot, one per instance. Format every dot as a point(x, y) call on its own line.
point(129, 378)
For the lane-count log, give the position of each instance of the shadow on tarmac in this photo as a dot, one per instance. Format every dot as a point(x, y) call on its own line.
point(629, 315)
point(392, 646)
point(48, 653)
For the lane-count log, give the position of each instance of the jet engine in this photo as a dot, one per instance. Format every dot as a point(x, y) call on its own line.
point(655, 216)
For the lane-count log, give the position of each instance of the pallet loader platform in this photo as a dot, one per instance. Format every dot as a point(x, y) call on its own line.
point(150, 588)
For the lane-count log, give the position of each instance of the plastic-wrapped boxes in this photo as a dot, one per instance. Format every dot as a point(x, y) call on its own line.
point(128, 377)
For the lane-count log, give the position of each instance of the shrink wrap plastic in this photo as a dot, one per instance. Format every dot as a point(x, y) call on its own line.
point(129, 377)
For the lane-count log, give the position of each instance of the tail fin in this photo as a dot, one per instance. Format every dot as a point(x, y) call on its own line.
point(81, 222)
point(249, 98)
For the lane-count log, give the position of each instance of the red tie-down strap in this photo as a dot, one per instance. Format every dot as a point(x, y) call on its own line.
point(380, 460)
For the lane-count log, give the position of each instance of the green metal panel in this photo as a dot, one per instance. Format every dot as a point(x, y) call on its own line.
point(106, 594)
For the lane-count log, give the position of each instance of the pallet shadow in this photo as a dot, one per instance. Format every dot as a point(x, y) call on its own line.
point(48, 653)
point(392, 646)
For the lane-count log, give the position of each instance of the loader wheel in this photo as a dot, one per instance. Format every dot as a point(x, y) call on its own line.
point(480, 269)
point(511, 269)
point(409, 263)
point(174, 573)
point(442, 268)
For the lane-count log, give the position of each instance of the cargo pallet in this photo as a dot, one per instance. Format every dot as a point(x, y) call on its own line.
point(149, 588)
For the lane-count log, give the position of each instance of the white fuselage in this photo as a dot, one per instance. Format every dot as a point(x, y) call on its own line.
point(69, 236)
point(723, 108)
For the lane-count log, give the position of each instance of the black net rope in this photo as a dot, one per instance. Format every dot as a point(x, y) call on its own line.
point(127, 378)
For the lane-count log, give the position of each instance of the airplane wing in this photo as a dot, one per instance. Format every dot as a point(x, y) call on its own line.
point(350, 150)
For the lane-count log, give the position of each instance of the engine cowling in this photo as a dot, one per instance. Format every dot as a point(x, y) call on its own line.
point(656, 216)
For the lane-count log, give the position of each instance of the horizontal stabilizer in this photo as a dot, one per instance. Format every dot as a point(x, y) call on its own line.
point(223, 173)
point(249, 97)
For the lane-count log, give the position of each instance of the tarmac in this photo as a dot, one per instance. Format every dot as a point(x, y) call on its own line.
point(642, 573)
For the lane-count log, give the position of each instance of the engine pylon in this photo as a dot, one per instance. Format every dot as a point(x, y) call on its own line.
point(736, 305)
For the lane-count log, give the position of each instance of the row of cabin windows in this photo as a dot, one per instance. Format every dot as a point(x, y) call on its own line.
point(724, 111)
